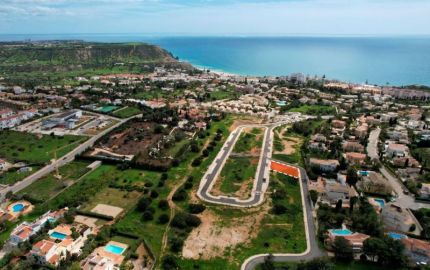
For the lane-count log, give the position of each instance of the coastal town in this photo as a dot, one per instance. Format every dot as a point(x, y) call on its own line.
point(184, 168)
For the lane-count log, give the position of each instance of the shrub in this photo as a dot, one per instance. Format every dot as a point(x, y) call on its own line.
point(184, 220)
point(163, 218)
point(163, 204)
point(180, 195)
point(188, 185)
point(147, 215)
point(143, 204)
point(154, 194)
point(196, 208)
point(148, 184)
point(279, 209)
point(196, 162)
point(169, 262)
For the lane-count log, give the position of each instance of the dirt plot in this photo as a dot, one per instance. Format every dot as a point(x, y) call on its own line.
point(215, 236)
point(107, 210)
point(140, 140)
point(240, 122)
point(290, 145)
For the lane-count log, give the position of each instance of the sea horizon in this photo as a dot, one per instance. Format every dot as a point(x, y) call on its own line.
point(395, 60)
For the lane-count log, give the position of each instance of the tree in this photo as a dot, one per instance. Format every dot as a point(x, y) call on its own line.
point(342, 249)
point(372, 246)
point(143, 204)
point(339, 206)
point(352, 201)
point(314, 196)
point(196, 208)
point(163, 204)
point(316, 264)
point(163, 218)
point(351, 176)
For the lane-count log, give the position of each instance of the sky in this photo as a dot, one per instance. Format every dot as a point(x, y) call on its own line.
point(216, 17)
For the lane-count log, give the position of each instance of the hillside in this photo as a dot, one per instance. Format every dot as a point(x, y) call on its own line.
point(37, 60)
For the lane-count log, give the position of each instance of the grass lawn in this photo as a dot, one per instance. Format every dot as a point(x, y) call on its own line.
point(237, 170)
point(127, 112)
point(249, 140)
point(28, 147)
point(314, 109)
point(48, 186)
point(11, 177)
point(115, 197)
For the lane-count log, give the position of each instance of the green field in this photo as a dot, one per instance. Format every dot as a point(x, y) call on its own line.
point(279, 138)
point(19, 146)
point(235, 172)
point(277, 233)
point(12, 176)
point(46, 187)
point(249, 140)
point(152, 231)
point(314, 109)
point(107, 109)
point(127, 112)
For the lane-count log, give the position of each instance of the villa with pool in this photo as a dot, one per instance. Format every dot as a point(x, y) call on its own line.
point(63, 239)
point(109, 256)
point(27, 229)
point(355, 239)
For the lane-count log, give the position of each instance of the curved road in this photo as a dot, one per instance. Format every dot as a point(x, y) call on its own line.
point(215, 168)
point(260, 185)
point(402, 199)
point(312, 251)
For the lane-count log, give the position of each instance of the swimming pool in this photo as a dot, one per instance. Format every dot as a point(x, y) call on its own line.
point(281, 103)
point(341, 232)
point(381, 202)
point(363, 173)
point(396, 236)
point(17, 207)
point(58, 235)
point(114, 249)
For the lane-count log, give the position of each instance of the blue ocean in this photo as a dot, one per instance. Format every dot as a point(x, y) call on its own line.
point(376, 60)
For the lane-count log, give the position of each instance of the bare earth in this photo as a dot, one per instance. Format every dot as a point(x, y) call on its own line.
point(289, 146)
point(214, 236)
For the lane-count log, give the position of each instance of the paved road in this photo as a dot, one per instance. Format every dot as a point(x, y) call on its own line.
point(215, 169)
point(402, 199)
point(312, 251)
point(260, 184)
point(59, 162)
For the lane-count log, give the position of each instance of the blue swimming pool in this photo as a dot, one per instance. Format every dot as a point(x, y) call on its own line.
point(17, 207)
point(396, 236)
point(341, 232)
point(363, 173)
point(114, 249)
point(381, 202)
point(281, 103)
point(58, 235)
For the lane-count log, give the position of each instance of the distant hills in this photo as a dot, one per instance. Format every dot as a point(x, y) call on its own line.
point(81, 58)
